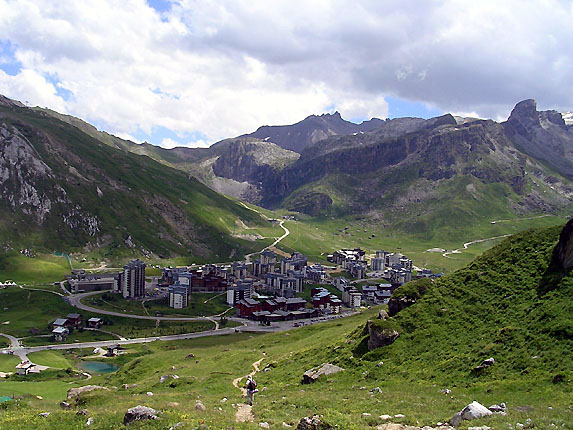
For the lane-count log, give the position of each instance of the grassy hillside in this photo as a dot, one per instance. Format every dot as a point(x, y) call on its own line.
point(508, 304)
point(118, 193)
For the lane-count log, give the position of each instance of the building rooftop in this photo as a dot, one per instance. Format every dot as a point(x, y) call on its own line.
point(61, 322)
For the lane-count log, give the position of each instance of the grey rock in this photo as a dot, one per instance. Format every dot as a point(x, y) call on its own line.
point(316, 372)
point(65, 405)
point(128, 386)
point(472, 411)
point(380, 336)
point(44, 414)
point(139, 413)
point(90, 421)
point(73, 392)
point(313, 423)
point(563, 252)
point(498, 409)
point(176, 426)
point(383, 315)
point(264, 425)
point(199, 406)
point(82, 412)
point(376, 390)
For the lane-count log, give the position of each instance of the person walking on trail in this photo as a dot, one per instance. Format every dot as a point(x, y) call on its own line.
point(251, 389)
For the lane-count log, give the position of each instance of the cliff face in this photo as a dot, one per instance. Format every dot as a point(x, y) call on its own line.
point(543, 135)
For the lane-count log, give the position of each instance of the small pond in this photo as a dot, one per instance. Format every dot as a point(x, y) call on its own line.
point(98, 367)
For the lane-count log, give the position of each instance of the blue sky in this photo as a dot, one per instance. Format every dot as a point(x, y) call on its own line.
point(193, 72)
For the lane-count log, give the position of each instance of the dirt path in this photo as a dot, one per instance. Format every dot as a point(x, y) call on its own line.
point(467, 244)
point(245, 412)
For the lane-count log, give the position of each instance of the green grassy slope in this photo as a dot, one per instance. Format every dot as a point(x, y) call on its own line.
point(507, 304)
point(500, 306)
point(161, 208)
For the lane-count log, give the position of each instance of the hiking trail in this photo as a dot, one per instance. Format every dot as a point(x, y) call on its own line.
point(244, 411)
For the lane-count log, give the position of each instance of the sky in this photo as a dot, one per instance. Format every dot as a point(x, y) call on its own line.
point(193, 72)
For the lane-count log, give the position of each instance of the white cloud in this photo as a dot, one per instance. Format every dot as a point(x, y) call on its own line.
point(222, 68)
point(31, 88)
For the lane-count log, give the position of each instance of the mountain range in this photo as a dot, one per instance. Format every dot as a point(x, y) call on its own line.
point(425, 177)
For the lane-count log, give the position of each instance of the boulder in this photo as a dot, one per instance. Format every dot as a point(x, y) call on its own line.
point(199, 406)
point(499, 409)
point(381, 334)
point(382, 315)
point(128, 386)
point(313, 423)
point(472, 411)
point(82, 412)
point(139, 413)
point(395, 305)
point(191, 355)
point(65, 405)
point(73, 392)
point(264, 425)
point(44, 414)
point(90, 421)
point(316, 372)
point(489, 362)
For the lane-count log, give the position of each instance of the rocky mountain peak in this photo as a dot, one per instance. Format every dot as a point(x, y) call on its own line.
point(525, 111)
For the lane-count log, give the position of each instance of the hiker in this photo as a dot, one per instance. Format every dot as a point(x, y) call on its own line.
point(251, 389)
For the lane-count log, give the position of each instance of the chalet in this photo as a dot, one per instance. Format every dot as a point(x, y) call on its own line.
point(246, 307)
point(63, 322)
point(60, 334)
point(325, 301)
point(26, 367)
point(94, 322)
point(75, 320)
point(295, 304)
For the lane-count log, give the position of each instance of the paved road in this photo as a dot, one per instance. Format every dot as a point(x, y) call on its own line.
point(76, 301)
point(20, 350)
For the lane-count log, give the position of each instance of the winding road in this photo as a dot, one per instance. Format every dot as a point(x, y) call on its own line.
point(467, 244)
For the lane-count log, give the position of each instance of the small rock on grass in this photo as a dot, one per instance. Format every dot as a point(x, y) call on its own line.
point(199, 406)
point(139, 413)
point(264, 425)
point(385, 417)
point(44, 414)
point(90, 421)
point(399, 416)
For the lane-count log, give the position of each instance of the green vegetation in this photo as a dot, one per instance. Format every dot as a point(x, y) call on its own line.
point(8, 362)
point(54, 359)
point(30, 311)
point(40, 270)
point(216, 304)
point(412, 290)
point(508, 304)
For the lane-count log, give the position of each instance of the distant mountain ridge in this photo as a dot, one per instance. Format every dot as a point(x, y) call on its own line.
point(411, 173)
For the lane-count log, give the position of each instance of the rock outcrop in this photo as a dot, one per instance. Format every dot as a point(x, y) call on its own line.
point(381, 333)
point(313, 374)
point(563, 253)
point(74, 392)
